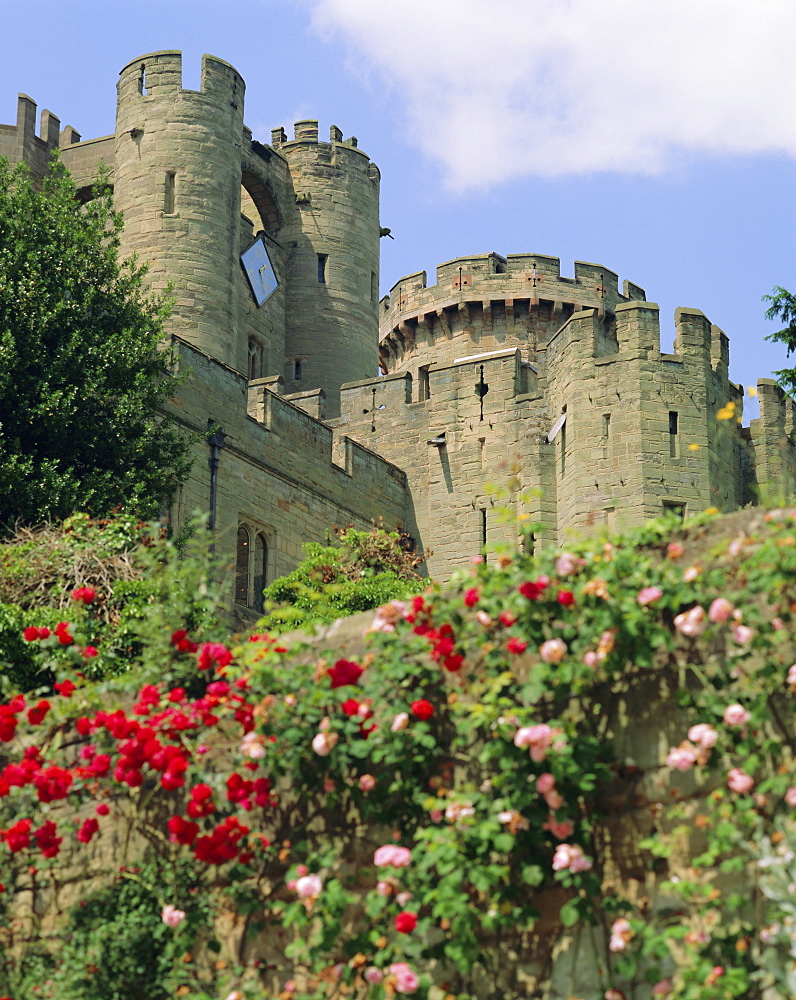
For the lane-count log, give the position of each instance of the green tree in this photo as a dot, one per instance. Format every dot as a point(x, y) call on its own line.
point(783, 307)
point(82, 376)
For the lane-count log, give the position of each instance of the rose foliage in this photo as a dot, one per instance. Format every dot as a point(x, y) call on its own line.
point(434, 810)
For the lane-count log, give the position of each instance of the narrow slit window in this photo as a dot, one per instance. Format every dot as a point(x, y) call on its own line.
point(142, 80)
point(169, 200)
point(674, 508)
point(563, 438)
point(423, 386)
point(260, 572)
point(322, 259)
point(482, 514)
point(242, 566)
point(673, 434)
point(606, 433)
point(481, 452)
point(297, 371)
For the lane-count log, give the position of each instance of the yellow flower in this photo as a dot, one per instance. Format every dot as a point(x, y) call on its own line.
point(751, 391)
point(694, 446)
point(727, 412)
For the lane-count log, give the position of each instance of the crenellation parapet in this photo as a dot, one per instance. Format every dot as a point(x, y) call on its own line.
point(19, 143)
point(520, 299)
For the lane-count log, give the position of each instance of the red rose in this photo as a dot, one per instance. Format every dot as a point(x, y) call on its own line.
point(515, 645)
point(422, 709)
point(533, 591)
point(565, 597)
point(345, 673)
point(65, 688)
point(103, 809)
point(85, 594)
point(471, 597)
point(87, 830)
point(406, 922)
point(213, 652)
point(182, 831)
point(37, 714)
point(49, 844)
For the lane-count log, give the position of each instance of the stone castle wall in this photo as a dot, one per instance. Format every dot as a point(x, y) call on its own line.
point(506, 389)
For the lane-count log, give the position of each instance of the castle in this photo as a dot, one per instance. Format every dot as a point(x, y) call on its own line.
point(504, 371)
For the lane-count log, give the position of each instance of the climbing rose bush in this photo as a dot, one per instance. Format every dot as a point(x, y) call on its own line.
point(399, 819)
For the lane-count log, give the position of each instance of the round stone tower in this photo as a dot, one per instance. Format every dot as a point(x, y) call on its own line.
point(331, 334)
point(177, 179)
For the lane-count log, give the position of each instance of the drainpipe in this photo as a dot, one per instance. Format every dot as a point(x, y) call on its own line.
point(216, 440)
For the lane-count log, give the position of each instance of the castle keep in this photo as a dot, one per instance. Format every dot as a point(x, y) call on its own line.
point(502, 372)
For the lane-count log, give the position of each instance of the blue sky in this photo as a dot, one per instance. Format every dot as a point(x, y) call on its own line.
point(655, 137)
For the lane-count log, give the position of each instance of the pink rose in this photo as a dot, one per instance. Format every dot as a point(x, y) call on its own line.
point(790, 797)
point(401, 721)
point(691, 573)
point(692, 622)
point(736, 715)
point(309, 886)
point(392, 854)
point(367, 782)
point(591, 659)
point(554, 800)
point(703, 735)
point(553, 651)
point(570, 857)
point(323, 743)
point(741, 634)
point(662, 988)
point(567, 564)
point(683, 757)
point(373, 975)
point(406, 980)
point(792, 676)
point(560, 829)
point(739, 781)
point(648, 595)
point(720, 610)
point(621, 933)
point(545, 783)
point(171, 916)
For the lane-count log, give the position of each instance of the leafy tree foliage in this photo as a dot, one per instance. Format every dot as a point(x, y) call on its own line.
point(783, 307)
point(81, 372)
point(366, 569)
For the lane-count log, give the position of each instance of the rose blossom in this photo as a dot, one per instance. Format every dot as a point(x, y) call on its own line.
point(792, 676)
point(662, 988)
point(768, 935)
point(171, 916)
point(790, 797)
point(566, 564)
point(406, 980)
point(720, 610)
point(308, 886)
point(401, 721)
point(621, 933)
point(691, 622)
point(545, 783)
point(253, 746)
point(739, 781)
point(683, 757)
point(741, 634)
point(648, 595)
point(373, 975)
point(366, 783)
point(392, 854)
point(570, 857)
point(703, 735)
point(405, 922)
point(691, 573)
point(553, 651)
point(560, 829)
point(459, 810)
point(323, 743)
point(736, 715)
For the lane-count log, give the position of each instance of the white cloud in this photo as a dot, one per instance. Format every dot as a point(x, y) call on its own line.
point(496, 89)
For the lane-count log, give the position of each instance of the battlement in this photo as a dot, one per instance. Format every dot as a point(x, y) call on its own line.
point(306, 143)
point(517, 284)
point(634, 330)
point(159, 75)
point(20, 143)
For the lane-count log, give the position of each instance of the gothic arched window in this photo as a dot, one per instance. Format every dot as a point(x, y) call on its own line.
point(242, 566)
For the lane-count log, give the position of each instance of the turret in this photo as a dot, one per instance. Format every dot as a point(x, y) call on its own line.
point(332, 238)
point(177, 180)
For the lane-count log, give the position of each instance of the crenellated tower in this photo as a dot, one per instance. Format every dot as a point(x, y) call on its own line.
point(332, 236)
point(177, 179)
